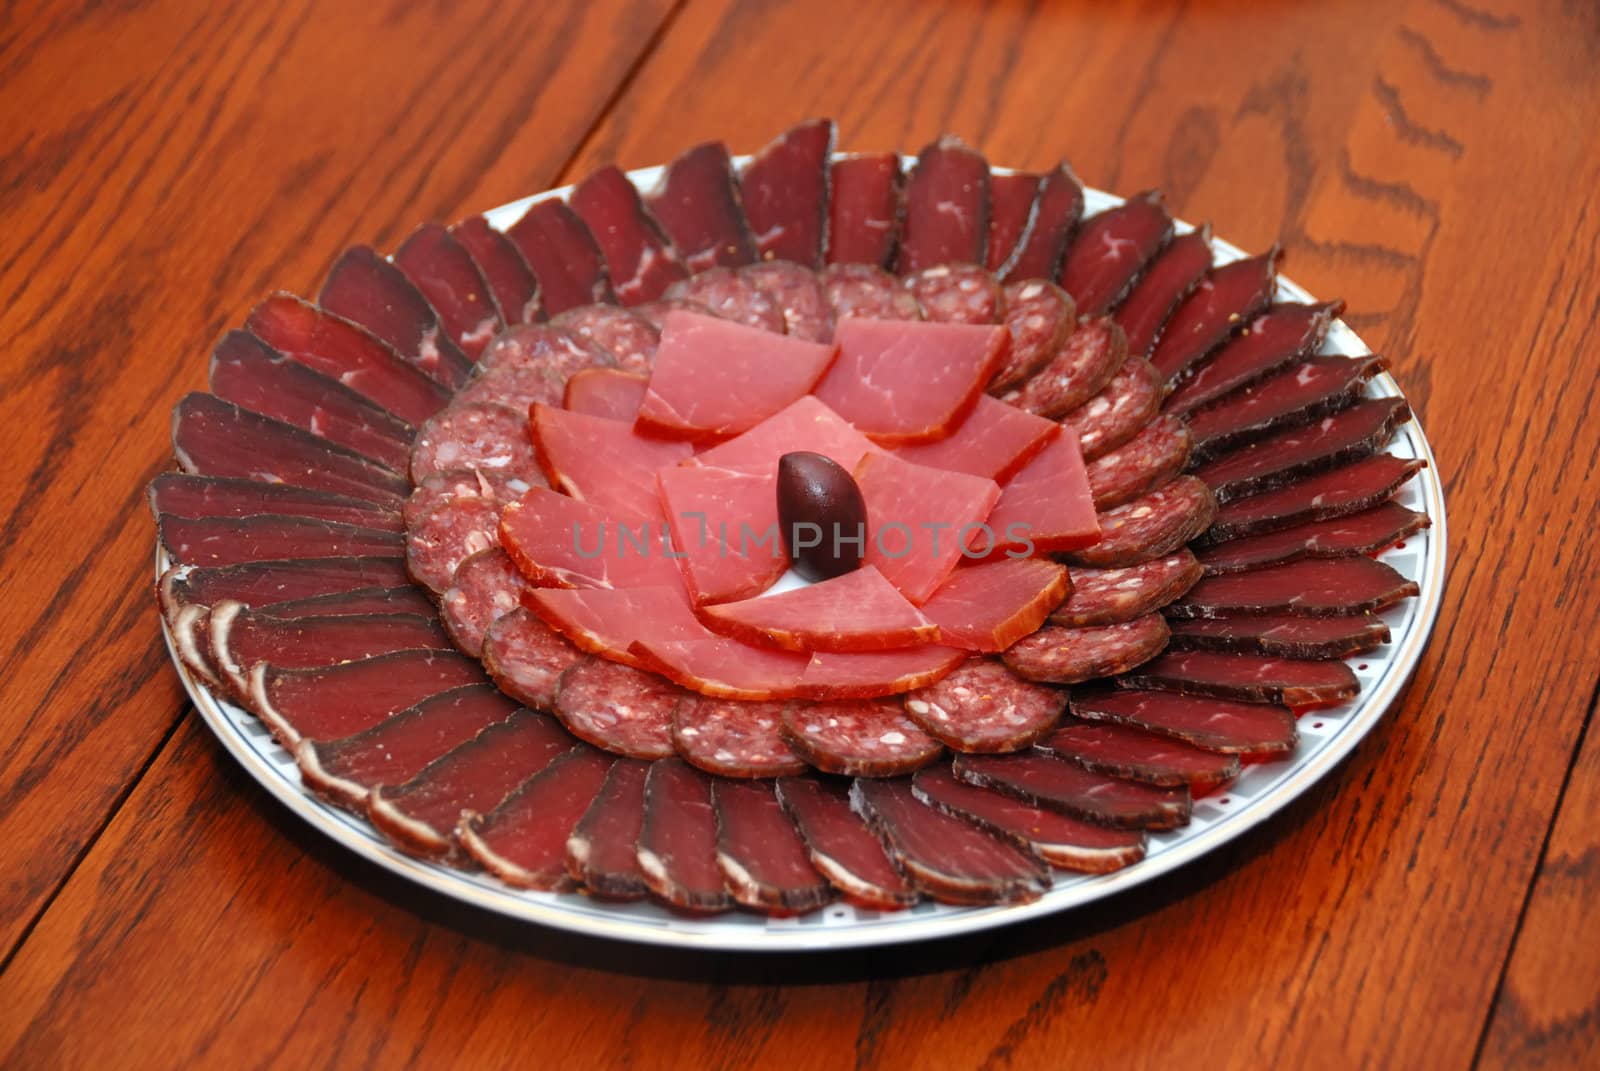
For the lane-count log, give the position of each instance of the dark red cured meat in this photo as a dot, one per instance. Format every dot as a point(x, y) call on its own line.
point(678, 839)
point(475, 435)
point(1013, 207)
point(447, 535)
point(945, 215)
point(443, 271)
point(603, 463)
point(486, 587)
point(601, 852)
point(1118, 413)
point(606, 392)
point(1223, 303)
point(212, 437)
point(1059, 839)
point(1046, 507)
point(841, 847)
point(638, 254)
point(1111, 249)
point(797, 293)
point(734, 738)
point(1040, 315)
point(958, 294)
point(356, 358)
point(529, 364)
point(562, 255)
point(327, 702)
point(1291, 682)
point(1286, 456)
point(1297, 395)
point(763, 859)
point(730, 295)
point(983, 706)
point(1348, 489)
point(264, 537)
point(697, 201)
point(856, 611)
point(1111, 596)
point(951, 860)
point(241, 638)
point(1311, 587)
point(180, 494)
point(1055, 219)
point(254, 376)
point(1140, 465)
point(261, 584)
point(511, 283)
point(1170, 278)
point(1079, 370)
point(1058, 785)
point(624, 710)
point(858, 737)
point(526, 658)
point(867, 291)
point(629, 338)
point(995, 441)
point(405, 599)
point(1359, 533)
point(523, 841)
point(784, 189)
point(988, 606)
point(864, 209)
point(837, 675)
point(500, 485)
point(1281, 635)
point(1137, 755)
point(420, 815)
point(604, 550)
point(1071, 655)
point(1255, 730)
point(1151, 526)
point(396, 749)
point(367, 290)
point(1276, 338)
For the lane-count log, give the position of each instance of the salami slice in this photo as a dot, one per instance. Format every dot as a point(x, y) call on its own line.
point(1282, 636)
point(1136, 755)
point(983, 706)
point(1040, 316)
point(1310, 587)
point(526, 658)
point(1348, 489)
point(264, 538)
point(1071, 655)
point(1080, 369)
point(1359, 533)
point(733, 738)
point(606, 392)
point(1055, 219)
point(180, 494)
point(523, 841)
point(798, 294)
point(1272, 341)
point(1252, 730)
point(698, 204)
point(1112, 596)
point(946, 209)
point(530, 364)
point(501, 486)
point(602, 851)
point(367, 290)
point(241, 638)
point(638, 255)
point(1140, 465)
point(1013, 208)
point(784, 189)
point(1111, 249)
point(563, 256)
point(623, 710)
point(858, 737)
point(477, 435)
point(763, 859)
point(1151, 526)
point(951, 860)
point(1170, 278)
point(868, 292)
point(486, 587)
point(1118, 413)
point(840, 846)
point(405, 599)
point(1223, 303)
point(730, 295)
point(329, 702)
point(269, 583)
point(1057, 785)
point(626, 336)
point(511, 283)
point(445, 274)
point(1248, 678)
point(1298, 395)
point(1286, 456)
point(864, 209)
point(958, 294)
point(446, 536)
point(678, 839)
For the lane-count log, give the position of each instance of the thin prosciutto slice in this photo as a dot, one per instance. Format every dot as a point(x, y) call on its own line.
point(991, 605)
point(919, 520)
point(995, 441)
point(605, 392)
point(725, 527)
point(557, 541)
point(606, 622)
point(808, 424)
point(602, 462)
point(869, 674)
point(1047, 507)
point(724, 668)
point(859, 611)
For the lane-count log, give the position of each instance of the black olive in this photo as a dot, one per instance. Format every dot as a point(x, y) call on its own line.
point(821, 514)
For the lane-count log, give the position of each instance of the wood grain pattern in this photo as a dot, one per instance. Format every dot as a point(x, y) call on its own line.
point(1430, 160)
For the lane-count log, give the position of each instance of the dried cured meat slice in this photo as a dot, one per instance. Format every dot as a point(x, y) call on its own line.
point(807, 425)
point(264, 537)
point(1348, 489)
point(1040, 316)
point(443, 271)
point(734, 738)
point(561, 542)
point(486, 586)
point(725, 528)
point(1137, 755)
point(1055, 220)
point(1118, 413)
point(562, 255)
point(958, 294)
point(268, 583)
point(405, 599)
point(606, 622)
point(1297, 395)
point(983, 706)
point(1311, 587)
point(1059, 839)
point(797, 293)
point(869, 674)
point(367, 290)
point(951, 860)
point(511, 283)
point(784, 190)
point(523, 841)
point(327, 702)
point(624, 710)
point(627, 337)
point(1272, 341)
point(1358, 533)
point(988, 606)
point(946, 208)
point(730, 295)
point(1013, 207)
point(601, 852)
point(500, 485)
point(995, 442)
point(1282, 636)
point(722, 668)
point(1286, 456)
point(474, 435)
point(1170, 278)
point(241, 638)
point(841, 848)
point(1151, 526)
point(1079, 369)
point(763, 859)
point(526, 658)
point(858, 737)
point(1072, 655)
point(448, 535)
point(181, 494)
point(1111, 249)
point(603, 463)
point(1111, 596)
point(1046, 507)
point(920, 520)
point(606, 392)
point(866, 291)
point(677, 847)
point(1223, 303)
point(857, 611)
point(396, 749)
point(1057, 785)
point(1253, 730)
point(420, 815)
point(1142, 464)
point(864, 209)
point(638, 255)
point(1290, 682)
point(698, 203)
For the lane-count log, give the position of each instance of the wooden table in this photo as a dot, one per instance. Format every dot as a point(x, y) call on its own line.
point(164, 163)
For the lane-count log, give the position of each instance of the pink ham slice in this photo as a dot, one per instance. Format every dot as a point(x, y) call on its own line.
point(1282, 636)
point(523, 841)
point(946, 208)
point(606, 392)
point(1223, 302)
point(180, 494)
point(366, 289)
point(859, 611)
point(697, 202)
point(563, 256)
point(1272, 341)
point(1348, 489)
point(868, 674)
point(677, 848)
point(920, 520)
point(1013, 207)
point(603, 463)
point(840, 846)
point(511, 282)
point(1171, 277)
point(1136, 755)
point(561, 542)
point(994, 442)
point(606, 622)
point(906, 382)
point(714, 378)
point(1111, 249)
point(808, 424)
point(864, 209)
point(442, 269)
point(763, 859)
point(734, 738)
point(988, 606)
point(725, 527)
point(601, 853)
point(1058, 785)
point(1359, 533)
point(1253, 730)
point(1248, 678)
point(1045, 508)
point(1311, 587)
point(724, 668)
point(639, 257)
point(236, 540)
point(784, 189)
point(1055, 219)
point(858, 738)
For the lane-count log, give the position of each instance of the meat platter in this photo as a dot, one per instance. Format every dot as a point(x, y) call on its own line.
point(1230, 695)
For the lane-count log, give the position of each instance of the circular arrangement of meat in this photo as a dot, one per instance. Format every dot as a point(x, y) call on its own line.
point(377, 531)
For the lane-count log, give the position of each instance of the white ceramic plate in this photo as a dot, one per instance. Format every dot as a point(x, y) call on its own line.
point(1326, 737)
